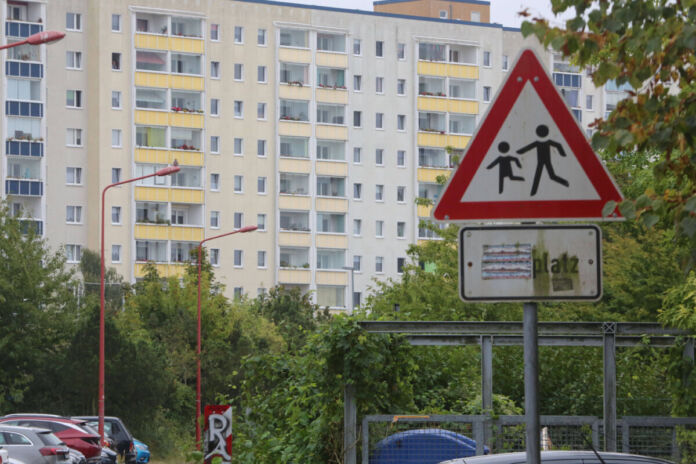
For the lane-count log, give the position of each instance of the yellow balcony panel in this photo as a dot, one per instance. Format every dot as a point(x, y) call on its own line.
point(332, 168)
point(338, 96)
point(438, 104)
point(164, 270)
point(152, 231)
point(186, 82)
point(332, 241)
point(294, 239)
point(186, 233)
point(332, 278)
point(338, 205)
point(294, 276)
point(332, 60)
point(294, 92)
point(462, 71)
point(424, 211)
point(463, 106)
point(155, 194)
point(458, 141)
point(186, 157)
point(294, 128)
point(180, 195)
point(154, 118)
point(294, 55)
point(432, 139)
point(152, 156)
point(302, 166)
point(295, 202)
point(151, 41)
point(429, 68)
point(186, 45)
point(430, 175)
point(332, 132)
point(150, 79)
point(191, 120)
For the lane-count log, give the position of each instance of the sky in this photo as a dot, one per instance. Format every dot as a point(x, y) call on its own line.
point(502, 11)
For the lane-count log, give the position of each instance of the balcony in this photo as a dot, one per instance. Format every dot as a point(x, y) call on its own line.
point(23, 69)
point(294, 221)
point(24, 148)
point(30, 188)
point(294, 258)
point(27, 226)
point(23, 108)
point(22, 29)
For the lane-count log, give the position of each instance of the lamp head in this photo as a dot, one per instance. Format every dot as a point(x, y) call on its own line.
point(45, 37)
point(168, 170)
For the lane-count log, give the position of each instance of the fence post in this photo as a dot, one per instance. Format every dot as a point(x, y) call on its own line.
point(625, 436)
point(595, 434)
point(365, 451)
point(609, 329)
point(486, 386)
point(350, 420)
point(479, 433)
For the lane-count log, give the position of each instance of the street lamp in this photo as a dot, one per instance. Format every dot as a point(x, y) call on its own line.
point(37, 39)
point(198, 331)
point(162, 172)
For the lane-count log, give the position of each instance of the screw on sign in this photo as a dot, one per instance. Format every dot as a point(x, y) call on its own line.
point(218, 434)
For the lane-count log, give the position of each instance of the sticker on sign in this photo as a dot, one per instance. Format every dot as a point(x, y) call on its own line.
point(530, 263)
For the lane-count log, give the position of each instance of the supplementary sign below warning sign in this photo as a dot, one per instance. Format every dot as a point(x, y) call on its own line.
point(529, 159)
point(528, 263)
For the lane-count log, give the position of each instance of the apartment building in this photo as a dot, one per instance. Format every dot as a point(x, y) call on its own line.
point(319, 125)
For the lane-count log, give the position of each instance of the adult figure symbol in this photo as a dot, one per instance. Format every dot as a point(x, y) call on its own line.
point(543, 149)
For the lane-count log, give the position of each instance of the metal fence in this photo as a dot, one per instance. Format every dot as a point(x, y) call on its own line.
point(664, 437)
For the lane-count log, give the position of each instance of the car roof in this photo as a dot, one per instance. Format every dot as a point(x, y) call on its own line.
point(46, 417)
point(19, 428)
point(521, 457)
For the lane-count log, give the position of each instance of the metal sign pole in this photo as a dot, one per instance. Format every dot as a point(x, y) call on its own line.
point(531, 383)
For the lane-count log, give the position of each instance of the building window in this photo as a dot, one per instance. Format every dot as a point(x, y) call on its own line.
point(238, 220)
point(261, 37)
point(116, 61)
point(215, 257)
point(443, 14)
point(238, 293)
point(116, 100)
point(238, 259)
point(401, 86)
point(73, 60)
point(238, 184)
point(379, 120)
point(357, 155)
point(73, 176)
point(379, 264)
point(475, 17)
point(357, 261)
point(379, 157)
point(215, 182)
point(238, 72)
point(588, 102)
point(379, 192)
point(505, 63)
point(261, 74)
point(379, 48)
point(214, 107)
point(401, 51)
point(401, 229)
point(116, 22)
point(261, 185)
point(238, 34)
point(116, 138)
point(261, 222)
point(116, 215)
point(356, 299)
point(115, 175)
point(73, 98)
point(261, 259)
point(215, 219)
point(486, 93)
point(357, 227)
point(357, 83)
point(400, 265)
point(73, 21)
point(261, 148)
point(261, 111)
point(357, 191)
point(73, 137)
point(238, 109)
point(379, 229)
point(215, 69)
point(379, 84)
point(73, 214)
point(401, 122)
point(357, 119)
point(238, 146)
point(73, 253)
point(215, 32)
point(356, 47)
point(214, 144)
point(486, 58)
point(115, 253)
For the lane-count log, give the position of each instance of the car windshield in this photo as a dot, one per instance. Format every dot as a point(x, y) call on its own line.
point(49, 439)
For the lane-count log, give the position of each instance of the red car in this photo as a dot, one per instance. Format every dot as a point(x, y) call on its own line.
point(71, 432)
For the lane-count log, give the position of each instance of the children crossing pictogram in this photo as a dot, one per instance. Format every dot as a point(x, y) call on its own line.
point(543, 149)
point(504, 164)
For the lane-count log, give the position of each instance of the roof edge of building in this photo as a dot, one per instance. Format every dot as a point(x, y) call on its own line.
point(473, 2)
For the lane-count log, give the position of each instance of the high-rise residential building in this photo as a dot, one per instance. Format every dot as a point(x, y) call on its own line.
point(319, 125)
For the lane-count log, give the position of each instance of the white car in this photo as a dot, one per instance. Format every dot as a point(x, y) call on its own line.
point(561, 457)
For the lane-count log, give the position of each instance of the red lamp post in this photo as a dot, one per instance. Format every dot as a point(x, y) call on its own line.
point(37, 39)
point(198, 331)
point(162, 172)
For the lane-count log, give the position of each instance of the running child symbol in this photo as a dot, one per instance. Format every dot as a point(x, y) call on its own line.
point(505, 166)
point(543, 149)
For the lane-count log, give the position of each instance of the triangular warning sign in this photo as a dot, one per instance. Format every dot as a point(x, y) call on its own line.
point(529, 159)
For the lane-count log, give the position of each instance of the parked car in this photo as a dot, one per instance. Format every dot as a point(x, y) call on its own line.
point(71, 432)
point(142, 452)
point(108, 456)
point(422, 446)
point(75, 457)
point(561, 457)
point(32, 445)
point(117, 431)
